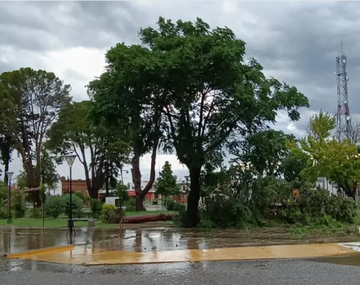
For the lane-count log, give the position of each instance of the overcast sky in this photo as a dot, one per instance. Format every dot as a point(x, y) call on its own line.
point(296, 42)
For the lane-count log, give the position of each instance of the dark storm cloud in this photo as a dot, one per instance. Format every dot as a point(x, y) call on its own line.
point(294, 41)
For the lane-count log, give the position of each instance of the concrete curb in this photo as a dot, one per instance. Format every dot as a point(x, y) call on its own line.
point(39, 251)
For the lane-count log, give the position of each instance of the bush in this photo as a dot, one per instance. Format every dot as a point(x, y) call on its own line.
point(341, 209)
point(80, 195)
point(54, 206)
point(3, 212)
point(224, 212)
point(18, 204)
point(96, 208)
point(108, 210)
point(35, 213)
point(130, 205)
point(77, 205)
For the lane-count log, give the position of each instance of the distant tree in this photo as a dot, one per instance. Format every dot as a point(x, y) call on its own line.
point(264, 150)
point(326, 157)
point(166, 184)
point(74, 132)
point(36, 98)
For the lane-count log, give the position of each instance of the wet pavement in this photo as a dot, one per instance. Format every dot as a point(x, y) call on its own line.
point(156, 244)
point(158, 238)
point(294, 272)
point(140, 240)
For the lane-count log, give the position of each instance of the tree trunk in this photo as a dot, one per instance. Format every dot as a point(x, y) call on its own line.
point(136, 176)
point(192, 218)
point(139, 203)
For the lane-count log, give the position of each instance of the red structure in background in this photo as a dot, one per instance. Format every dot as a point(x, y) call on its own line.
point(151, 196)
point(78, 185)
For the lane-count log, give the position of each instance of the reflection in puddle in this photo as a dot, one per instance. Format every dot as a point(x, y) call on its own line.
point(149, 240)
point(353, 260)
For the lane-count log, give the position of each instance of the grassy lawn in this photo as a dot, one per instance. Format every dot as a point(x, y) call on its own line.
point(61, 221)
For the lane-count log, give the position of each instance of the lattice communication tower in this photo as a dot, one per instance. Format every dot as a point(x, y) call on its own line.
point(343, 119)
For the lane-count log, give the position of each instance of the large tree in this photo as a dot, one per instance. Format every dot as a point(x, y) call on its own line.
point(36, 98)
point(199, 80)
point(212, 94)
point(74, 132)
point(126, 98)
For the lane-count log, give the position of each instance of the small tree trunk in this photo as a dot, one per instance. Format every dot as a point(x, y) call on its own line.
point(192, 218)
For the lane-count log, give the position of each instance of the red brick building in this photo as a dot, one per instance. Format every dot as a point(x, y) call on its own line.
point(78, 185)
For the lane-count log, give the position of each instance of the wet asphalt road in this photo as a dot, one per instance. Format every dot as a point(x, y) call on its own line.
point(292, 272)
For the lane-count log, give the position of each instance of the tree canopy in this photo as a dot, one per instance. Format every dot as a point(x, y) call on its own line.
point(196, 83)
point(33, 100)
point(326, 157)
point(74, 132)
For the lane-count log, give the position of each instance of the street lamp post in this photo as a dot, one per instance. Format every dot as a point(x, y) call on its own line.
point(70, 161)
point(9, 176)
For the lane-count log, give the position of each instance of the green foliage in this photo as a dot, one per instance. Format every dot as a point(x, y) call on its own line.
point(174, 206)
point(130, 205)
point(108, 210)
point(224, 212)
point(96, 208)
point(317, 207)
point(3, 212)
point(74, 129)
point(271, 201)
point(122, 194)
point(265, 157)
point(54, 206)
point(18, 204)
point(166, 184)
point(197, 80)
point(35, 213)
point(291, 167)
point(77, 205)
point(34, 99)
point(3, 191)
point(326, 157)
point(50, 177)
point(81, 196)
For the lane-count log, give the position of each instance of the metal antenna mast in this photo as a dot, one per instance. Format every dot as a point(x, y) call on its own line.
point(343, 127)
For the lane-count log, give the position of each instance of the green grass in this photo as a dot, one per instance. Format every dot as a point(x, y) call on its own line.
point(61, 221)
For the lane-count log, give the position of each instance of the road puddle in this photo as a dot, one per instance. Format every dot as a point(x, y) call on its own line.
point(145, 242)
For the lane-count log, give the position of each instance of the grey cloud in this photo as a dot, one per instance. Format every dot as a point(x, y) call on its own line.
point(294, 41)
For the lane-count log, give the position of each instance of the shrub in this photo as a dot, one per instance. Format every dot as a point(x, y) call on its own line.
point(130, 205)
point(18, 204)
point(108, 210)
point(170, 204)
point(179, 207)
point(54, 206)
point(80, 195)
point(3, 212)
point(96, 208)
point(77, 205)
point(35, 213)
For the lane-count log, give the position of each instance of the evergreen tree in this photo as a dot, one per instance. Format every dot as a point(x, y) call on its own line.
point(166, 184)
